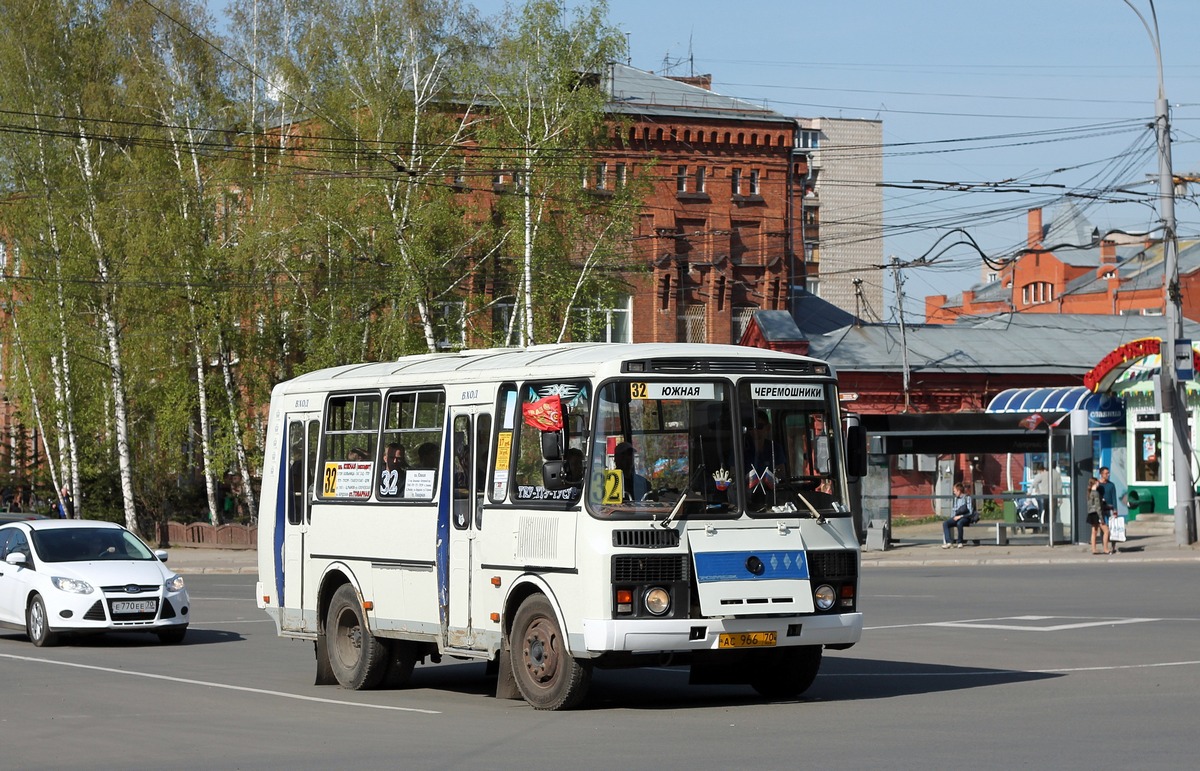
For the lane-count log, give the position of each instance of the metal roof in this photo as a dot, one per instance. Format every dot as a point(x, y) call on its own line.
point(638, 92)
point(1026, 343)
point(1044, 400)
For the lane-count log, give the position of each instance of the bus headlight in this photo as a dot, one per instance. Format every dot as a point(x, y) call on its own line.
point(824, 597)
point(658, 601)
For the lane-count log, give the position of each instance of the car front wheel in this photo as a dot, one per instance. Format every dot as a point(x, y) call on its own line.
point(37, 624)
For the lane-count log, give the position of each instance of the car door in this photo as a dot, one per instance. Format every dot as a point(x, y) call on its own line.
point(13, 579)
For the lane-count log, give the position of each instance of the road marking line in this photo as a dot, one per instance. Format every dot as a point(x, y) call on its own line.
point(982, 623)
point(1007, 672)
point(207, 684)
point(978, 624)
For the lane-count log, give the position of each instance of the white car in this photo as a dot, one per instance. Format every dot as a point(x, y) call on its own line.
point(72, 576)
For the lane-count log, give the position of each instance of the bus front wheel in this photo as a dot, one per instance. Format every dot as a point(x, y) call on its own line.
point(785, 673)
point(547, 675)
point(358, 659)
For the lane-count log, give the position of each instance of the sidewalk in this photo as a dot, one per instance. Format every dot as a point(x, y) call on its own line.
point(188, 560)
point(921, 545)
point(911, 546)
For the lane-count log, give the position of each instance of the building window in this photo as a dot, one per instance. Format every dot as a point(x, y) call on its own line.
point(606, 325)
point(810, 139)
point(601, 175)
point(695, 330)
point(701, 173)
point(754, 182)
point(681, 179)
point(451, 326)
point(735, 182)
point(620, 175)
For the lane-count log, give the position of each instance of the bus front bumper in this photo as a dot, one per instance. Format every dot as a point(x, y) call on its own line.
point(676, 635)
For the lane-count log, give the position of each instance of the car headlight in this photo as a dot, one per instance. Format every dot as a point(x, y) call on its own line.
point(658, 601)
point(175, 584)
point(824, 596)
point(72, 585)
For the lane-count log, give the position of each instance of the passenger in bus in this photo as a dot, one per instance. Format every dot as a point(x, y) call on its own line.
point(636, 486)
point(427, 455)
point(357, 454)
point(573, 460)
point(762, 452)
point(393, 457)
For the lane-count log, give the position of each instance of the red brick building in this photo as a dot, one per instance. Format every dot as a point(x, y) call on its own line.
point(720, 229)
point(1068, 266)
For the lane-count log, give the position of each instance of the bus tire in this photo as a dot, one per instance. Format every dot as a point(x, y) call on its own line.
point(547, 675)
point(401, 659)
point(787, 672)
point(357, 657)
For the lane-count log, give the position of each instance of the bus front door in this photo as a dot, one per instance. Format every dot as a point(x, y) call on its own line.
point(470, 437)
point(303, 432)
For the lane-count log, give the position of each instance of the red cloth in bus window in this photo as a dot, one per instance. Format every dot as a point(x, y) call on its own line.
point(545, 414)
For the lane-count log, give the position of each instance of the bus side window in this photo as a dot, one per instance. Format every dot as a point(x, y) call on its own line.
point(295, 506)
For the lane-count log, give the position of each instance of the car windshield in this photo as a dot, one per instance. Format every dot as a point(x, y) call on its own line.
point(87, 544)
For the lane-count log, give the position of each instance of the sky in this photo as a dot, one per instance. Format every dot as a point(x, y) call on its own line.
point(1055, 95)
point(1028, 102)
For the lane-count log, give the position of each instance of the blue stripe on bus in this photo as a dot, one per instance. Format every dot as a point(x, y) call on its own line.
point(732, 565)
point(445, 501)
point(281, 499)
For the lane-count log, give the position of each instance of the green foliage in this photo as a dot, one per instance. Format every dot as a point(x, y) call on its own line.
point(147, 184)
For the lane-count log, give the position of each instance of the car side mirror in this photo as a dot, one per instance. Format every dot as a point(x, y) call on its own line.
point(17, 558)
point(161, 555)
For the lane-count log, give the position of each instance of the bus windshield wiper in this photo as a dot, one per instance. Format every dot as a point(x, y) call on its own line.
point(680, 507)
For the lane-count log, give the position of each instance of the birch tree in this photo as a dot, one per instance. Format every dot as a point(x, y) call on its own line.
point(547, 103)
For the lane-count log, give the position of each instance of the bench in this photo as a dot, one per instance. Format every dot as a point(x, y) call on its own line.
point(1002, 529)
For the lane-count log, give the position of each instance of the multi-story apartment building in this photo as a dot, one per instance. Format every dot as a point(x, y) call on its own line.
point(843, 186)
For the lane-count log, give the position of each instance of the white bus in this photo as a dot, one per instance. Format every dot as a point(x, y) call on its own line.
point(563, 508)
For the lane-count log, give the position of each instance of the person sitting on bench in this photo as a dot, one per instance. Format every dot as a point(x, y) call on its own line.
point(962, 516)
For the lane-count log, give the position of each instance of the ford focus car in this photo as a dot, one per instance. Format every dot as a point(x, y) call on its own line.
point(70, 576)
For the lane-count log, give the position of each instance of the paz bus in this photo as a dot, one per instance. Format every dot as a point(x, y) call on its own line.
point(560, 509)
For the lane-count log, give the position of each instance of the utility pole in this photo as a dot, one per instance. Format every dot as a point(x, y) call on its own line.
point(1174, 392)
point(899, 279)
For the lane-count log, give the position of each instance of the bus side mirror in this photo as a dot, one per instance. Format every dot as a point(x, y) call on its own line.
point(552, 445)
point(856, 451)
point(554, 475)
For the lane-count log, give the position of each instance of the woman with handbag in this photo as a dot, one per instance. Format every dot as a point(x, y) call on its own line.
point(1095, 515)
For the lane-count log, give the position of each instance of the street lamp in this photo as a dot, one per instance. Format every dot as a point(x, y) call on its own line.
point(1173, 391)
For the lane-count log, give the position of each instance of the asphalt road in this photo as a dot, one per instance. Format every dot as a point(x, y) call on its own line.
point(1074, 666)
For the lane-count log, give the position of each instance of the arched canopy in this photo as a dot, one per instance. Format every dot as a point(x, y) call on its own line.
point(1044, 400)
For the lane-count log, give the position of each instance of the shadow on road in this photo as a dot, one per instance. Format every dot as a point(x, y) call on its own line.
point(841, 679)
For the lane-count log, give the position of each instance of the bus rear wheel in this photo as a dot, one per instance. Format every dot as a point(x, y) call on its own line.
point(358, 659)
point(547, 675)
point(785, 673)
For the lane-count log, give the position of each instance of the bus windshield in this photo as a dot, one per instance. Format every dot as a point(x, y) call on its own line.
point(765, 450)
